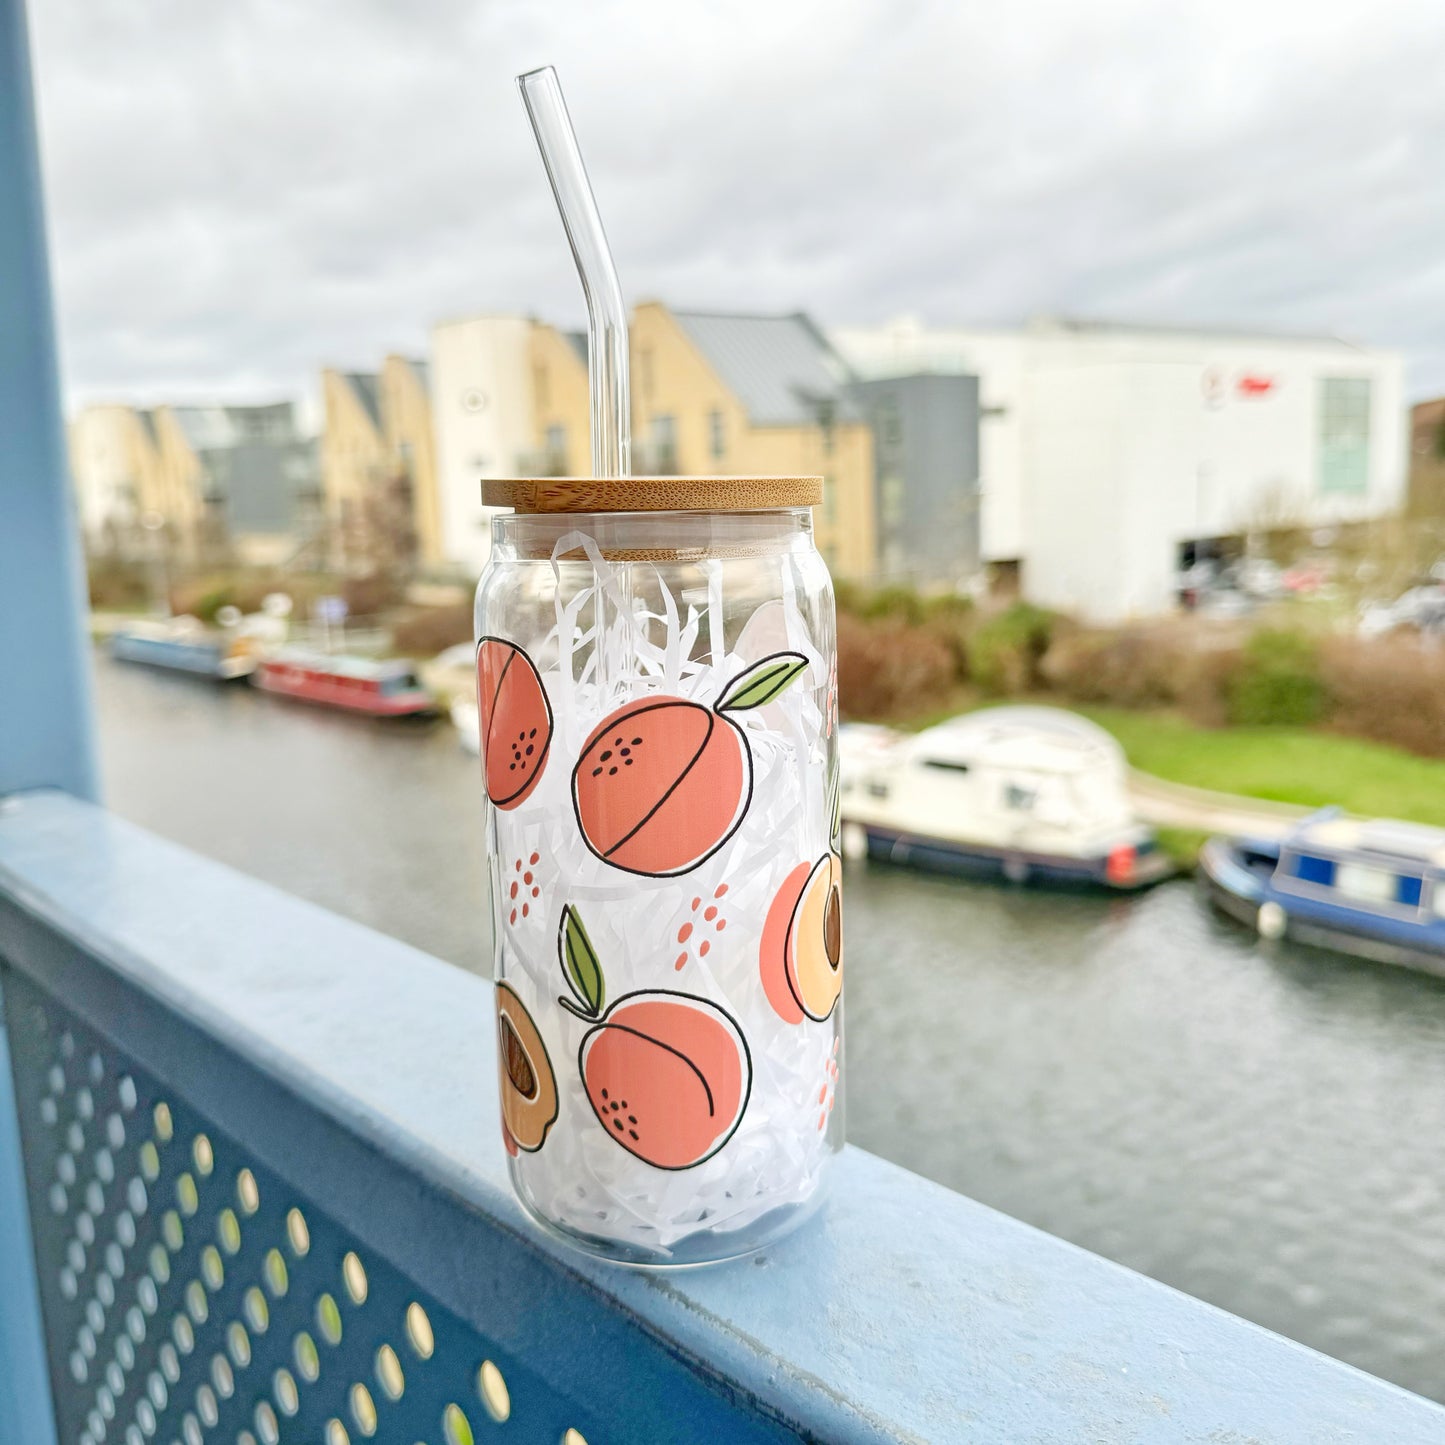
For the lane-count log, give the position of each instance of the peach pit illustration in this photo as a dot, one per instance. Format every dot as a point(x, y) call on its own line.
point(664, 782)
point(801, 954)
point(515, 719)
point(528, 1085)
point(667, 1074)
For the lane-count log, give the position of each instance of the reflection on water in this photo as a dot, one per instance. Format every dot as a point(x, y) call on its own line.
point(1260, 1128)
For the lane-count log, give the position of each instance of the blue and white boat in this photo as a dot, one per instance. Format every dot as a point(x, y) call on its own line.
point(1374, 888)
point(1027, 794)
point(184, 644)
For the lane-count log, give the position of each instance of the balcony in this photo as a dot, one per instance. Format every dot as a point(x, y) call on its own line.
point(257, 1148)
point(252, 1190)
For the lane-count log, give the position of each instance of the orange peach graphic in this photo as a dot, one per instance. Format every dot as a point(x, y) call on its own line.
point(515, 719)
point(667, 1074)
point(528, 1086)
point(801, 955)
point(663, 783)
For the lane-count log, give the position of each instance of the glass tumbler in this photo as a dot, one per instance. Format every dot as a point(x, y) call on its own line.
point(657, 688)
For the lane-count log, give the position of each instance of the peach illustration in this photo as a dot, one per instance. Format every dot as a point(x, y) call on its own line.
point(667, 1074)
point(801, 956)
point(528, 1086)
point(663, 783)
point(515, 719)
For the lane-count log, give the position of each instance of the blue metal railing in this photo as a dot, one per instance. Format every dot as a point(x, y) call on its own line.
point(45, 723)
point(251, 1188)
point(353, 1080)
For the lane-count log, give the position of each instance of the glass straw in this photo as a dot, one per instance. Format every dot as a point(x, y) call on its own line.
point(606, 311)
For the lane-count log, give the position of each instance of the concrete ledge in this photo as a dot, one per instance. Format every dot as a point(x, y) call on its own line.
point(906, 1312)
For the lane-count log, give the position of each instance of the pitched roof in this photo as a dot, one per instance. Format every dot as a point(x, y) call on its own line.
point(782, 368)
point(367, 386)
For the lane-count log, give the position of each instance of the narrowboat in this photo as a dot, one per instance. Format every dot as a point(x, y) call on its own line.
point(185, 644)
point(1027, 794)
point(1374, 888)
point(357, 684)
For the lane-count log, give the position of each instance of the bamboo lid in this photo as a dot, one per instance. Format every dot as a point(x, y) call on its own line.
point(651, 494)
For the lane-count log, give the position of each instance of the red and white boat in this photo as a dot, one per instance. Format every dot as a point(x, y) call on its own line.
point(359, 684)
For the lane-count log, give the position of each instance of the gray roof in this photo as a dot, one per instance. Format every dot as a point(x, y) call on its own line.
point(782, 368)
point(205, 427)
point(367, 386)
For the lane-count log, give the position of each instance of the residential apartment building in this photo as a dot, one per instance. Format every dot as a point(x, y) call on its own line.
point(115, 467)
point(510, 399)
point(198, 480)
point(743, 395)
point(1110, 456)
point(378, 464)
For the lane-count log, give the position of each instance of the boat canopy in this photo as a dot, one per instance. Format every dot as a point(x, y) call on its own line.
point(1389, 839)
point(1030, 739)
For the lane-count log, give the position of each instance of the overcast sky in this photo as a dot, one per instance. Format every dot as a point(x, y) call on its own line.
point(241, 193)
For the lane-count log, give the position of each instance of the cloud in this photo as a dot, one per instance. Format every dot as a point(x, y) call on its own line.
point(241, 194)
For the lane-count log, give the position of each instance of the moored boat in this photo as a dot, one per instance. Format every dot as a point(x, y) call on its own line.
point(1028, 794)
point(185, 644)
point(467, 720)
point(1374, 888)
point(358, 684)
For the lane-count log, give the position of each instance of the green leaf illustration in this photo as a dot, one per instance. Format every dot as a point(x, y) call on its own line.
point(580, 965)
point(762, 682)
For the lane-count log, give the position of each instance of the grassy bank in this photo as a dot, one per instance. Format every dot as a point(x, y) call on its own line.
point(1286, 765)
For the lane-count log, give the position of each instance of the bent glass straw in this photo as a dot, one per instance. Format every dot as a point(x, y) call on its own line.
point(606, 312)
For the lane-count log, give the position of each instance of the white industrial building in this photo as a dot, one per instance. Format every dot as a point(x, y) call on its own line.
point(1111, 455)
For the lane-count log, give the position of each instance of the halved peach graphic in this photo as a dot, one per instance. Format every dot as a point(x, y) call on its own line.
point(528, 1086)
point(667, 1074)
point(801, 955)
point(515, 720)
point(662, 784)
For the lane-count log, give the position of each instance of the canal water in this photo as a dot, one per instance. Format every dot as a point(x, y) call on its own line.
point(1263, 1127)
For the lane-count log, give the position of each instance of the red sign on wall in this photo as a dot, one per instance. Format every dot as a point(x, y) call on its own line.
point(1251, 384)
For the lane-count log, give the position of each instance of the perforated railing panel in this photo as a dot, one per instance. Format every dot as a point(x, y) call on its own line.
point(192, 1296)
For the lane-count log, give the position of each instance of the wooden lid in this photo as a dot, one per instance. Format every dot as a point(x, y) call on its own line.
point(651, 494)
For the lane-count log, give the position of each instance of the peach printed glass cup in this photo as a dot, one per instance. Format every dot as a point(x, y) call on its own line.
point(657, 700)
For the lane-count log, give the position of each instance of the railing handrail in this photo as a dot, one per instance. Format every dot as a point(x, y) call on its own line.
point(906, 1312)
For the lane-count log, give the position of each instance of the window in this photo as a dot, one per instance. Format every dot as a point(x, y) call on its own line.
point(944, 765)
point(1313, 870)
point(1344, 434)
point(555, 440)
point(1364, 884)
point(1019, 800)
point(664, 444)
point(827, 421)
point(890, 422)
point(716, 435)
point(1409, 890)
